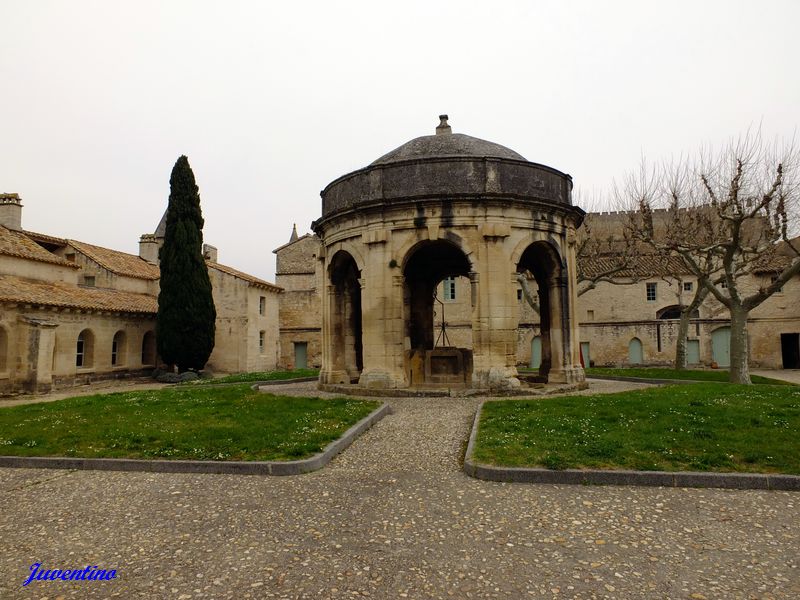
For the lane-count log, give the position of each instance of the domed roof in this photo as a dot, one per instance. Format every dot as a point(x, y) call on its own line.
point(445, 143)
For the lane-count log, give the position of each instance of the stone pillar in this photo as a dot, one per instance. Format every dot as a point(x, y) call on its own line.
point(333, 370)
point(35, 355)
point(571, 335)
point(494, 337)
point(556, 289)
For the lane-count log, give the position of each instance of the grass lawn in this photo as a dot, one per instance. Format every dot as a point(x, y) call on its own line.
point(205, 423)
point(703, 427)
point(666, 373)
point(260, 376)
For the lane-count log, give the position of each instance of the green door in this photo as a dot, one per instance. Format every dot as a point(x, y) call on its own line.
point(635, 354)
point(536, 352)
point(301, 355)
point(721, 346)
point(693, 352)
point(585, 354)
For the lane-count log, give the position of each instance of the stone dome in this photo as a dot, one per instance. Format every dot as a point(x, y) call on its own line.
point(448, 145)
point(446, 165)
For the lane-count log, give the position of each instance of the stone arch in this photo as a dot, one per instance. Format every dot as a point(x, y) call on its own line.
point(542, 238)
point(84, 351)
point(542, 259)
point(149, 349)
point(119, 349)
point(349, 248)
point(410, 247)
point(344, 278)
point(674, 312)
point(3, 349)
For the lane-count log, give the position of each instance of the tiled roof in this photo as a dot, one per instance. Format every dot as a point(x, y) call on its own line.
point(118, 262)
point(47, 293)
point(48, 239)
point(641, 266)
point(15, 243)
point(248, 278)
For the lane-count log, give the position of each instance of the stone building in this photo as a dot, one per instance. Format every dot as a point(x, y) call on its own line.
point(72, 312)
point(438, 207)
point(632, 321)
point(298, 272)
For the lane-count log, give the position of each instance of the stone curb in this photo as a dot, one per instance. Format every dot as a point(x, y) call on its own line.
point(741, 481)
point(291, 467)
point(647, 380)
point(285, 381)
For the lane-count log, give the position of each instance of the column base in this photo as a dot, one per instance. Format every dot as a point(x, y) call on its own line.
point(500, 379)
point(571, 375)
point(334, 377)
point(380, 379)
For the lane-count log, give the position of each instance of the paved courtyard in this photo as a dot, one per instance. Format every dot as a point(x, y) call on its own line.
point(392, 517)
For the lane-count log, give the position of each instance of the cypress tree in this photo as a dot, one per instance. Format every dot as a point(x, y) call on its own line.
point(186, 314)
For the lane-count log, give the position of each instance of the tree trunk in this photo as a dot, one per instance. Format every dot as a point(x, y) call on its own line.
point(683, 326)
point(680, 345)
point(740, 370)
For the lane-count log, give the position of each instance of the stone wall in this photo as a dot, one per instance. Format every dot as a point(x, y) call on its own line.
point(41, 346)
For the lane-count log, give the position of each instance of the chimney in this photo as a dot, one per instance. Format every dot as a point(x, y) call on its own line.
point(148, 248)
point(443, 128)
point(11, 211)
point(210, 253)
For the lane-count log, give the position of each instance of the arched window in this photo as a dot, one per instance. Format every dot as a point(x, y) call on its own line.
point(84, 355)
point(149, 349)
point(118, 349)
point(674, 312)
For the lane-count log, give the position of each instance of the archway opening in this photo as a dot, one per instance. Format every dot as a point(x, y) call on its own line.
point(119, 346)
point(541, 261)
point(149, 349)
point(346, 316)
point(436, 275)
point(84, 351)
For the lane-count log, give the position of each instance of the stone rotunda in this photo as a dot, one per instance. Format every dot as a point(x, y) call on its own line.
point(443, 206)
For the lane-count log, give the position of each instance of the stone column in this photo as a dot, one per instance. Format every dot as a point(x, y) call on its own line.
point(36, 343)
point(556, 290)
point(333, 371)
point(494, 335)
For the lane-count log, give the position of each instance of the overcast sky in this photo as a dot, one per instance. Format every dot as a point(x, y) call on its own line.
point(273, 100)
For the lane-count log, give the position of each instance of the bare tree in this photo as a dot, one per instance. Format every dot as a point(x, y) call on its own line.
point(729, 217)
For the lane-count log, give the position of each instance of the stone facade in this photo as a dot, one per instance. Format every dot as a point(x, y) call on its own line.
point(72, 312)
point(615, 320)
point(298, 271)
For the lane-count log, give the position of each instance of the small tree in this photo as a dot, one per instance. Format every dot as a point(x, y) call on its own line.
point(186, 314)
point(728, 217)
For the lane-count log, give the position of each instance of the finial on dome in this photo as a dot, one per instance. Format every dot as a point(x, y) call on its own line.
point(443, 128)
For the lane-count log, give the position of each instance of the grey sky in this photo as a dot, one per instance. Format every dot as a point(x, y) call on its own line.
point(271, 101)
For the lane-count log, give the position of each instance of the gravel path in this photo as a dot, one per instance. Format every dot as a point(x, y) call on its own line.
point(393, 517)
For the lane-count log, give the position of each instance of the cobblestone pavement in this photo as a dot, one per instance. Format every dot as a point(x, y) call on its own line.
point(392, 517)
